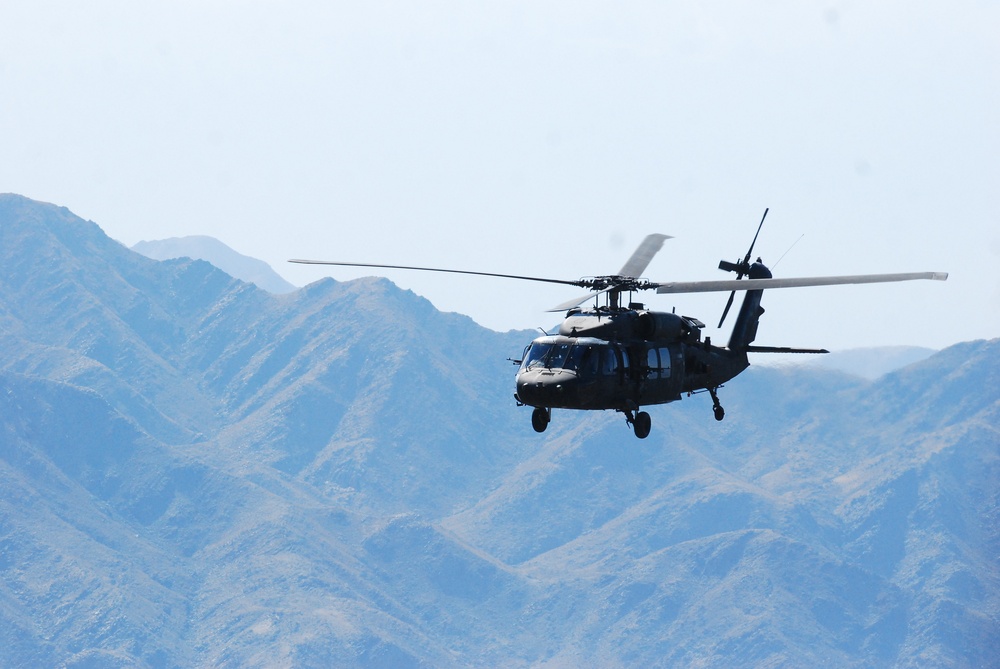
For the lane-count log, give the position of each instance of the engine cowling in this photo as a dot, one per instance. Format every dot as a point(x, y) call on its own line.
point(616, 326)
point(666, 327)
point(625, 325)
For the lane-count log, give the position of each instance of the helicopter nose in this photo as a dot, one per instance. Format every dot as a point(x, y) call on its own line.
point(545, 388)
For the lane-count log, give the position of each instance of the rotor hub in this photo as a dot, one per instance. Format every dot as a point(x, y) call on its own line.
point(617, 282)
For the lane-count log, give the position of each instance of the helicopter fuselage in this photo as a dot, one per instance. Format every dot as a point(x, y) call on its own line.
point(625, 358)
point(622, 359)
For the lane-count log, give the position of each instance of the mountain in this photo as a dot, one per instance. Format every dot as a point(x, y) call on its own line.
point(212, 250)
point(195, 471)
point(873, 362)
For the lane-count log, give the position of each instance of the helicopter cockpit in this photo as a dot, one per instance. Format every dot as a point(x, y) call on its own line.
point(586, 356)
point(571, 372)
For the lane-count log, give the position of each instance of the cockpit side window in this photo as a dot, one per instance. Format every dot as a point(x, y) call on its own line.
point(582, 358)
point(573, 357)
point(609, 362)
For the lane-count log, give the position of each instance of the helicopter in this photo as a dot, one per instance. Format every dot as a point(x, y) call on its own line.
point(618, 355)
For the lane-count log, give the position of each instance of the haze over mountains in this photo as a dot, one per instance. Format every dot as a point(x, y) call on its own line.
point(201, 247)
point(196, 471)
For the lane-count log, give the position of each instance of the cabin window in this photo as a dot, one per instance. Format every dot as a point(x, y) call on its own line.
point(658, 363)
point(664, 362)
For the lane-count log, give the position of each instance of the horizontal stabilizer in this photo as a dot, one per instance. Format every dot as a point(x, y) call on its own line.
point(783, 349)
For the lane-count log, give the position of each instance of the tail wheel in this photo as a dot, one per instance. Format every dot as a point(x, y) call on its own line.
point(720, 413)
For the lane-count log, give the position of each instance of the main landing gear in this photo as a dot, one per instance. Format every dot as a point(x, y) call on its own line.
point(720, 413)
point(640, 421)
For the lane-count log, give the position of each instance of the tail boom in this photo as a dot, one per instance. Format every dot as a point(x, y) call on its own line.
point(745, 329)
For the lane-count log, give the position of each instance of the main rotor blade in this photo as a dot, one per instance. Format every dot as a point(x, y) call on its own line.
point(648, 248)
point(762, 284)
point(577, 283)
point(576, 301)
point(633, 267)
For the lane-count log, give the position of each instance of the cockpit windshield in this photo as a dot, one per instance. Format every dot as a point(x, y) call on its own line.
point(545, 355)
point(583, 358)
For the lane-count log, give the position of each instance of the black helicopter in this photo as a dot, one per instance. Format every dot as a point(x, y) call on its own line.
point(626, 357)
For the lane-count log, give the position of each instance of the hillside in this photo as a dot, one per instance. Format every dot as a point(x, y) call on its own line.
point(196, 471)
point(209, 249)
point(871, 363)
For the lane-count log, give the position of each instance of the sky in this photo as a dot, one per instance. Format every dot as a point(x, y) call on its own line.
point(537, 138)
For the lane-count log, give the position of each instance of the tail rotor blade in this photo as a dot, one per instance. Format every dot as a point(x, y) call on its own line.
point(746, 260)
point(742, 268)
point(725, 311)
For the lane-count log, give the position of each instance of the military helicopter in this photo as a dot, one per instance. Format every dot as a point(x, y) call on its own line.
point(622, 358)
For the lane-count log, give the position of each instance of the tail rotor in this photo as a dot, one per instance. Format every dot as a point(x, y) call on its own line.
point(741, 268)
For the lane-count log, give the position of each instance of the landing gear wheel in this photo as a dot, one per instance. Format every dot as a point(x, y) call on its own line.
point(720, 413)
point(540, 418)
point(642, 424)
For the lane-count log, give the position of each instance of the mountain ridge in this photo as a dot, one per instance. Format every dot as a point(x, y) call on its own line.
point(212, 250)
point(195, 471)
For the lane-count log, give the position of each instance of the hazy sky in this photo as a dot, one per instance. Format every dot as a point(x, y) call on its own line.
point(542, 138)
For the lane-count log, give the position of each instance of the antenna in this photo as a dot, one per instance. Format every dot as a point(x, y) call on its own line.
point(789, 249)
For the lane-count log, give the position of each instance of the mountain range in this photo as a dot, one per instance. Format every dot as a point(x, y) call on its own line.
point(211, 250)
point(196, 471)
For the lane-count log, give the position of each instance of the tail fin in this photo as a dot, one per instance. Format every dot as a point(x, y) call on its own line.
point(745, 329)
